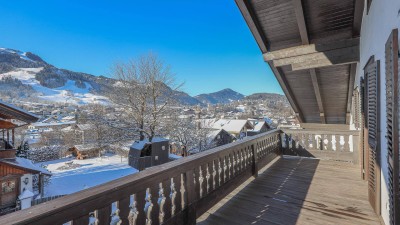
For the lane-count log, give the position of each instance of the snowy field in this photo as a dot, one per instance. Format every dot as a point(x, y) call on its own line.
point(68, 178)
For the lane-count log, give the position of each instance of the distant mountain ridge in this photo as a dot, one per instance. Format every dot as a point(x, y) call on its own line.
point(220, 97)
point(31, 76)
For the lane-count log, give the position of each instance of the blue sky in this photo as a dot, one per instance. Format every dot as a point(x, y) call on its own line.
point(206, 42)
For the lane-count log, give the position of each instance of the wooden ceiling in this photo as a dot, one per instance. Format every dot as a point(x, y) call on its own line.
point(312, 46)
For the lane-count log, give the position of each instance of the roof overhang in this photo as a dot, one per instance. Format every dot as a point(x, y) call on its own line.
point(8, 111)
point(312, 47)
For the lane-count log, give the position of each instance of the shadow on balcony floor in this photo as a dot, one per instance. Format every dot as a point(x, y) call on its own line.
point(297, 191)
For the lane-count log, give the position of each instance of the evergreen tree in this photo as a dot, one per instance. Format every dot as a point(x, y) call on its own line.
point(22, 150)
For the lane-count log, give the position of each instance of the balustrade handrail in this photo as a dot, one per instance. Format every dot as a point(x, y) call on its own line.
point(320, 131)
point(225, 163)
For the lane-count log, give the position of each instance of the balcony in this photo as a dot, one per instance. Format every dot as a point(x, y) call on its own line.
point(260, 180)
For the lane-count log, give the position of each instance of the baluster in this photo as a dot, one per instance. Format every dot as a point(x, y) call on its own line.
point(329, 145)
point(249, 156)
point(232, 163)
point(337, 142)
point(323, 139)
point(217, 173)
point(346, 144)
point(222, 171)
point(210, 177)
point(226, 169)
point(196, 181)
point(242, 159)
point(134, 211)
point(123, 210)
point(203, 180)
point(166, 202)
point(154, 214)
point(177, 195)
point(83, 220)
point(313, 141)
point(140, 199)
point(103, 215)
point(342, 143)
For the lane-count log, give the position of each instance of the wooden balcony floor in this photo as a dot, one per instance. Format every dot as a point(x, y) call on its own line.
point(297, 191)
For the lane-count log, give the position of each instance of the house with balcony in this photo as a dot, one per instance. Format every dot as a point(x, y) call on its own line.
point(337, 63)
point(16, 174)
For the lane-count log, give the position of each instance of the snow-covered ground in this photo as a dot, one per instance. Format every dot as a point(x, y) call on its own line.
point(69, 93)
point(89, 173)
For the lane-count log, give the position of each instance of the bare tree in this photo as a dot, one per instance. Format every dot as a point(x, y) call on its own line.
point(187, 132)
point(145, 87)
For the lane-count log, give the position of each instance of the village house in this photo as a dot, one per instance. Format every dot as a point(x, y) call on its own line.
point(85, 151)
point(238, 128)
point(16, 174)
point(259, 126)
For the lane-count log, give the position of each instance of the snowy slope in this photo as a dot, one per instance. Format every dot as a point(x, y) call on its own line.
point(69, 93)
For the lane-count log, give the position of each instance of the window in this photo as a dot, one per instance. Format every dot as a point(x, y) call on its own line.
point(8, 186)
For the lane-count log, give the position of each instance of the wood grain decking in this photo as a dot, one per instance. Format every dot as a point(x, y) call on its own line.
point(297, 191)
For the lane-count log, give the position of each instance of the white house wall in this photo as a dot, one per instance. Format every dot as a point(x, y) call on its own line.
point(382, 18)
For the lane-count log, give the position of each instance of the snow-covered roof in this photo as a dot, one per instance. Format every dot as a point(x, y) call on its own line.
point(259, 124)
point(25, 164)
point(141, 144)
point(9, 111)
point(42, 124)
point(234, 126)
point(86, 147)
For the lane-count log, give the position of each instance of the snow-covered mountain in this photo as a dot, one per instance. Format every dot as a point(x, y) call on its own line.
point(220, 97)
point(26, 75)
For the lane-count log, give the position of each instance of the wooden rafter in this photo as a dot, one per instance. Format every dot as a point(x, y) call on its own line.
point(317, 92)
point(320, 59)
point(298, 8)
point(311, 48)
point(288, 92)
point(249, 16)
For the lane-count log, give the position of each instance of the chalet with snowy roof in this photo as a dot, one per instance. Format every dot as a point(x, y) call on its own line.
point(85, 151)
point(234, 127)
point(260, 126)
point(15, 172)
point(219, 137)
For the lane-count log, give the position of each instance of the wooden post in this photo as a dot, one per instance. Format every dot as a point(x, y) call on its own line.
point(254, 161)
point(8, 136)
point(41, 185)
point(13, 138)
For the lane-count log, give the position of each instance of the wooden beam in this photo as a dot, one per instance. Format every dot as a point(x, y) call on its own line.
point(298, 8)
point(311, 48)
point(288, 92)
point(249, 16)
point(321, 59)
point(317, 92)
point(353, 68)
point(358, 14)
